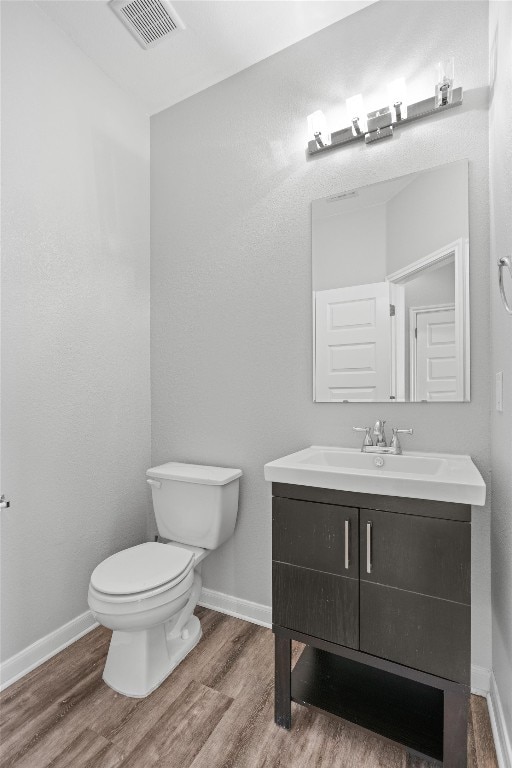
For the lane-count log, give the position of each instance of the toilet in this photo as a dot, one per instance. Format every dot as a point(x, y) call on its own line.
point(147, 594)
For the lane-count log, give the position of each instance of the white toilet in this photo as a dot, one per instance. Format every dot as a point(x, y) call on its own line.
point(147, 593)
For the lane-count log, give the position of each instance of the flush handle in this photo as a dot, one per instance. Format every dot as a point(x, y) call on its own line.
point(347, 544)
point(368, 547)
point(154, 483)
point(4, 504)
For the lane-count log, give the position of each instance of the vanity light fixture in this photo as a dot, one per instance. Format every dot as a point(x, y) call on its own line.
point(381, 123)
point(318, 131)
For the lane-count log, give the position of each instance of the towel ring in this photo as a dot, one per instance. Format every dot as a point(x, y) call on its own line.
point(505, 261)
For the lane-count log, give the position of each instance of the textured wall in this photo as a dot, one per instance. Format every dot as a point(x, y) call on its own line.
point(75, 156)
point(500, 123)
point(231, 262)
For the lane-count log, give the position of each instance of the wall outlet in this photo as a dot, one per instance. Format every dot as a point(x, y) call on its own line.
point(499, 391)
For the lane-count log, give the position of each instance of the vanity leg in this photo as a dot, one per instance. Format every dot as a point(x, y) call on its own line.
point(455, 739)
point(283, 678)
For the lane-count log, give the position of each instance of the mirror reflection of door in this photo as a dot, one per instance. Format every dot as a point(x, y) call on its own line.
point(435, 366)
point(353, 343)
point(428, 283)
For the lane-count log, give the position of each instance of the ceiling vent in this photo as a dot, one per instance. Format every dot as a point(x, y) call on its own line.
point(149, 21)
point(343, 195)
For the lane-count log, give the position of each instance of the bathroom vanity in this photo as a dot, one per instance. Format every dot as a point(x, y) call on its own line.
point(377, 587)
point(371, 548)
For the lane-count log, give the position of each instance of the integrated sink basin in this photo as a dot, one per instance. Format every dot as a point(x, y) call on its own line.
point(436, 476)
point(337, 457)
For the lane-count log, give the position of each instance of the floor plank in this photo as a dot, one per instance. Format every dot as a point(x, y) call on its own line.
point(214, 711)
point(180, 733)
point(43, 724)
point(54, 678)
point(85, 750)
point(484, 742)
point(472, 758)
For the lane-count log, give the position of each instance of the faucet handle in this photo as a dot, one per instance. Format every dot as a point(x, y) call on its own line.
point(395, 442)
point(367, 438)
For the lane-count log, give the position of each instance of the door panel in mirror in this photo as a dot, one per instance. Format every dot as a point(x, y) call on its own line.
point(391, 290)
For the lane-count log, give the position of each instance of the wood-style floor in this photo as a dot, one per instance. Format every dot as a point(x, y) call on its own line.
point(214, 711)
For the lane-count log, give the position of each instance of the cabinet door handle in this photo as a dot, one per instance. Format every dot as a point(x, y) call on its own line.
point(347, 542)
point(368, 547)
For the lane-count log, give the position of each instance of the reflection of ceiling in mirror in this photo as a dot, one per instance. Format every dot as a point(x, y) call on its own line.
point(364, 197)
point(368, 234)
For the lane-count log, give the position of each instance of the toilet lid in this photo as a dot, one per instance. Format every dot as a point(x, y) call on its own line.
point(140, 568)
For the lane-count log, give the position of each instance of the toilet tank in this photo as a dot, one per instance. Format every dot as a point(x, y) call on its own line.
point(195, 504)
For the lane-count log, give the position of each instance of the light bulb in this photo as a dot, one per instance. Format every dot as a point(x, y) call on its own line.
point(444, 84)
point(318, 130)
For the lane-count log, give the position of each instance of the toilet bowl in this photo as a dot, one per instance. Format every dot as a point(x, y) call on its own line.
point(147, 594)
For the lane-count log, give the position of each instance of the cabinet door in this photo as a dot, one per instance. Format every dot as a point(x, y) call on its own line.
point(416, 630)
point(415, 592)
point(315, 569)
point(316, 603)
point(420, 554)
point(323, 537)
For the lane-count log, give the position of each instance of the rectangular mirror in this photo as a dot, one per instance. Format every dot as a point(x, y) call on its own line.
point(391, 290)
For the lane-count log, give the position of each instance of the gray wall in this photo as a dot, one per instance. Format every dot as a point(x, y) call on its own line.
point(76, 423)
point(349, 248)
point(428, 214)
point(500, 123)
point(231, 262)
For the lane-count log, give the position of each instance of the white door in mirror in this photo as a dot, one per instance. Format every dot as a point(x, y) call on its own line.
point(353, 344)
point(438, 370)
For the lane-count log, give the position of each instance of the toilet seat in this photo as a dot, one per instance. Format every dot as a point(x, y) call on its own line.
point(141, 571)
point(139, 603)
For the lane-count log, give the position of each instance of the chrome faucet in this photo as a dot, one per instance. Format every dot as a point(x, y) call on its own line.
point(378, 432)
point(381, 445)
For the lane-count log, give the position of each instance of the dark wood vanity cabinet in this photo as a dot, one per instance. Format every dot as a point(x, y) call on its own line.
point(378, 588)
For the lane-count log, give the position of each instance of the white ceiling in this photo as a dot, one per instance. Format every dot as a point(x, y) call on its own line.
point(222, 37)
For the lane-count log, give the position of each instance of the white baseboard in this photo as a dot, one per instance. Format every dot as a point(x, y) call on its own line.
point(237, 607)
point(500, 730)
point(42, 650)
